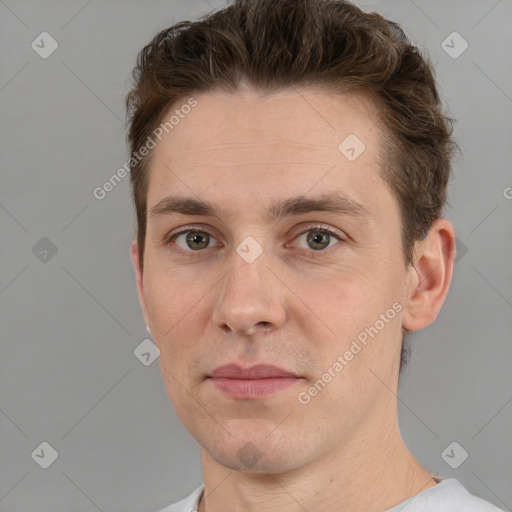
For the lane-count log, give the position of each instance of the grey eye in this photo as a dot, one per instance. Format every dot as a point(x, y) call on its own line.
point(194, 240)
point(317, 239)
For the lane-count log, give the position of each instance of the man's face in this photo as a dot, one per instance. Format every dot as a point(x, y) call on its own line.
point(304, 303)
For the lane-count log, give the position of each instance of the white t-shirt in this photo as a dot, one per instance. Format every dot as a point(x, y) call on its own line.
point(447, 496)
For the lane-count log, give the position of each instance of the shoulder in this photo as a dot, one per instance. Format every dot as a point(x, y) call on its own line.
point(447, 496)
point(188, 504)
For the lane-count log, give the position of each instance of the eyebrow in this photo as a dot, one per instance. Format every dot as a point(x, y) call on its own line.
point(334, 202)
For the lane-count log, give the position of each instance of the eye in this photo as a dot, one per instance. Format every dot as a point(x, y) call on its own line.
point(192, 240)
point(318, 238)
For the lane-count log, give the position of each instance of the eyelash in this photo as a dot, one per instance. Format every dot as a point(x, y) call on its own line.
point(320, 228)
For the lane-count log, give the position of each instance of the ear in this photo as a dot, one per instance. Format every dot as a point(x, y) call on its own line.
point(430, 275)
point(135, 256)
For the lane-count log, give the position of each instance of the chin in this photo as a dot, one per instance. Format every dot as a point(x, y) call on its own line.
point(256, 454)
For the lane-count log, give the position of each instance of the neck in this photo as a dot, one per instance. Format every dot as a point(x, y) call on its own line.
point(373, 473)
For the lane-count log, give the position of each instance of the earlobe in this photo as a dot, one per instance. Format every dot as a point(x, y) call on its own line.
point(430, 276)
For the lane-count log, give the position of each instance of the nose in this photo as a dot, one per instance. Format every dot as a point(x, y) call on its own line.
point(250, 299)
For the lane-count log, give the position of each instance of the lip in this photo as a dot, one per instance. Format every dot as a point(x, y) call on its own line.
point(259, 371)
point(251, 383)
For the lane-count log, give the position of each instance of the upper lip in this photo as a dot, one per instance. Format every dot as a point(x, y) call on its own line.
point(259, 371)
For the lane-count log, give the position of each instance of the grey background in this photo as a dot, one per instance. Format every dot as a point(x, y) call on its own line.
point(70, 324)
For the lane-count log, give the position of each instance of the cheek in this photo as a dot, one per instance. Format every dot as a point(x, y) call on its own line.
point(171, 296)
point(173, 309)
point(342, 301)
point(356, 315)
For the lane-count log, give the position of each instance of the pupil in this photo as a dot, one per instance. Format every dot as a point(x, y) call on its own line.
point(318, 239)
point(195, 238)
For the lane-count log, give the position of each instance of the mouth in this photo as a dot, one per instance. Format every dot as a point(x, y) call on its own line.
point(251, 383)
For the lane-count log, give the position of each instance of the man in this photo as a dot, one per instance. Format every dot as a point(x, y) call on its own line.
point(289, 169)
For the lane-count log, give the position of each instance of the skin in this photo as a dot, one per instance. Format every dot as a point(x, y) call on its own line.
point(295, 307)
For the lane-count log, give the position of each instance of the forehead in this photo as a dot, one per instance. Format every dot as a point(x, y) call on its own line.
point(247, 146)
point(290, 115)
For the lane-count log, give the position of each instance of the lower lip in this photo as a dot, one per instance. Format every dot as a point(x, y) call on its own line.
point(252, 388)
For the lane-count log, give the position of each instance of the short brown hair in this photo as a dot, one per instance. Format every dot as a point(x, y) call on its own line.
point(278, 44)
